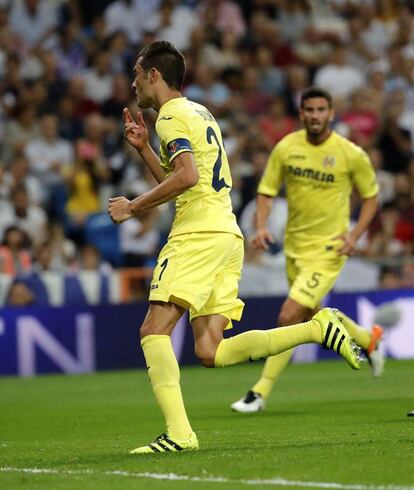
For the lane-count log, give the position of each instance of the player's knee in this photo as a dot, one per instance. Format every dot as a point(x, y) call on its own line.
point(289, 318)
point(205, 355)
point(148, 328)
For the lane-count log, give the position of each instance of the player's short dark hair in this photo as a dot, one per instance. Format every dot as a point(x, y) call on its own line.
point(312, 93)
point(163, 56)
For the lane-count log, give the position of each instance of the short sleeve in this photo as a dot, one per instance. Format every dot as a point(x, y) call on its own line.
point(272, 178)
point(363, 174)
point(174, 136)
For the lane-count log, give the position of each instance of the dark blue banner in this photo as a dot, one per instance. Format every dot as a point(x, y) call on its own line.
point(83, 339)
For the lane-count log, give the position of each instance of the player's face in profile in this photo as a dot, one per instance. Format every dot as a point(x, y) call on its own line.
point(141, 86)
point(316, 115)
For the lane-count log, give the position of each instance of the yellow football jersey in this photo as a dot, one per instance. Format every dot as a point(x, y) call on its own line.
point(319, 180)
point(181, 126)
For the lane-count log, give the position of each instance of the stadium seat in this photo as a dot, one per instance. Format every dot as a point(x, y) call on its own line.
point(73, 293)
point(34, 283)
point(104, 235)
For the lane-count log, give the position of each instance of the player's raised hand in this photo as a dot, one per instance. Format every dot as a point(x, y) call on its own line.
point(262, 239)
point(118, 209)
point(135, 132)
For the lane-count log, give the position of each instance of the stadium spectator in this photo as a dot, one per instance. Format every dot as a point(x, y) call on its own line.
point(391, 234)
point(98, 78)
point(208, 90)
point(20, 295)
point(83, 179)
point(361, 118)
point(275, 123)
point(339, 69)
point(55, 86)
point(14, 257)
point(226, 15)
point(390, 278)
point(125, 16)
point(48, 154)
point(27, 216)
point(250, 52)
point(20, 129)
point(120, 54)
point(271, 78)
point(32, 21)
point(18, 174)
point(173, 22)
point(139, 239)
point(394, 141)
point(69, 51)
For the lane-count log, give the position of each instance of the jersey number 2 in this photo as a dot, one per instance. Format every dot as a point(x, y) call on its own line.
point(216, 182)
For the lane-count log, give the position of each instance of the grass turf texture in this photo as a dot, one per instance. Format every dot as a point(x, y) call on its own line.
point(324, 423)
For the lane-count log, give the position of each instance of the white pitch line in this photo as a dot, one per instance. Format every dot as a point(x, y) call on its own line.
point(277, 482)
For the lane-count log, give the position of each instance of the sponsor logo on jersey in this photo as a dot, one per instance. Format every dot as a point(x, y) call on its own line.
point(310, 173)
point(328, 162)
point(295, 156)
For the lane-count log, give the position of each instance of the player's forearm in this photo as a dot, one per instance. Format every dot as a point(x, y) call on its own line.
point(152, 162)
point(368, 209)
point(264, 206)
point(170, 188)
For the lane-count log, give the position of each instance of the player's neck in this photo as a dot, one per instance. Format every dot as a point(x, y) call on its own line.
point(318, 139)
point(166, 95)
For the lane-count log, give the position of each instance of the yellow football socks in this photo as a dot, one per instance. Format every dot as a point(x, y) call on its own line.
point(273, 368)
point(258, 344)
point(164, 374)
point(361, 335)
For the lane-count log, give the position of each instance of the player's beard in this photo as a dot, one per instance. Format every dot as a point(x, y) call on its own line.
point(315, 132)
point(143, 103)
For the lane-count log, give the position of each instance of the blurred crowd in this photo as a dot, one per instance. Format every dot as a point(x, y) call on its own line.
point(65, 76)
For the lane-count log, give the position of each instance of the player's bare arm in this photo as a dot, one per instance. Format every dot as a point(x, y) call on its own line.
point(184, 176)
point(368, 209)
point(263, 236)
point(136, 133)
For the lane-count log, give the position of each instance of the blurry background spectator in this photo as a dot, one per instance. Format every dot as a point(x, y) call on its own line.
point(65, 76)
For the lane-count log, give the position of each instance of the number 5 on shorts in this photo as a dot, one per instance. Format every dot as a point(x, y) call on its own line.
point(314, 281)
point(163, 267)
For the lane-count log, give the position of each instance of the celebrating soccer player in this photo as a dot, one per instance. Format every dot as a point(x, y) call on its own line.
point(319, 168)
point(199, 267)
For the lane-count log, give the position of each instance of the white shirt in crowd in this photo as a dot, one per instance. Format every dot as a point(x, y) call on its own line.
point(144, 244)
point(42, 154)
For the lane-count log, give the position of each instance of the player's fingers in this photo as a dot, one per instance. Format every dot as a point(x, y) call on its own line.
point(128, 127)
point(269, 238)
point(127, 116)
point(115, 199)
point(140, 119)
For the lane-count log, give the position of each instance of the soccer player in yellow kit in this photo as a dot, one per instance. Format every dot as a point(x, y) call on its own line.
point(319, 169)
point(199, 267)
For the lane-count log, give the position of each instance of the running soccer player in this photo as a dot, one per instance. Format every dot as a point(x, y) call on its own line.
point(199, 267)
point(319, 169)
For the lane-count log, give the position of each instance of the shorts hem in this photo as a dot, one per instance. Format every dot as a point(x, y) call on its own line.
point(171, 298)
point(311, 304)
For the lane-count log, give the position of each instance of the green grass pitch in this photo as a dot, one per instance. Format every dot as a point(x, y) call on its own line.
point(324, 424)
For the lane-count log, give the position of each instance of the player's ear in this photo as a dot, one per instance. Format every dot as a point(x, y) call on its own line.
point(154, 75)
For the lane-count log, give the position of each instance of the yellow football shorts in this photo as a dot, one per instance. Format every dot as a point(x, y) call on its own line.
point(201, 272)
point(311, 280)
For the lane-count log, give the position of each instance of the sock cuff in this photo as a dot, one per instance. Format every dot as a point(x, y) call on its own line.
point(154, 338)
point(218, 358)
